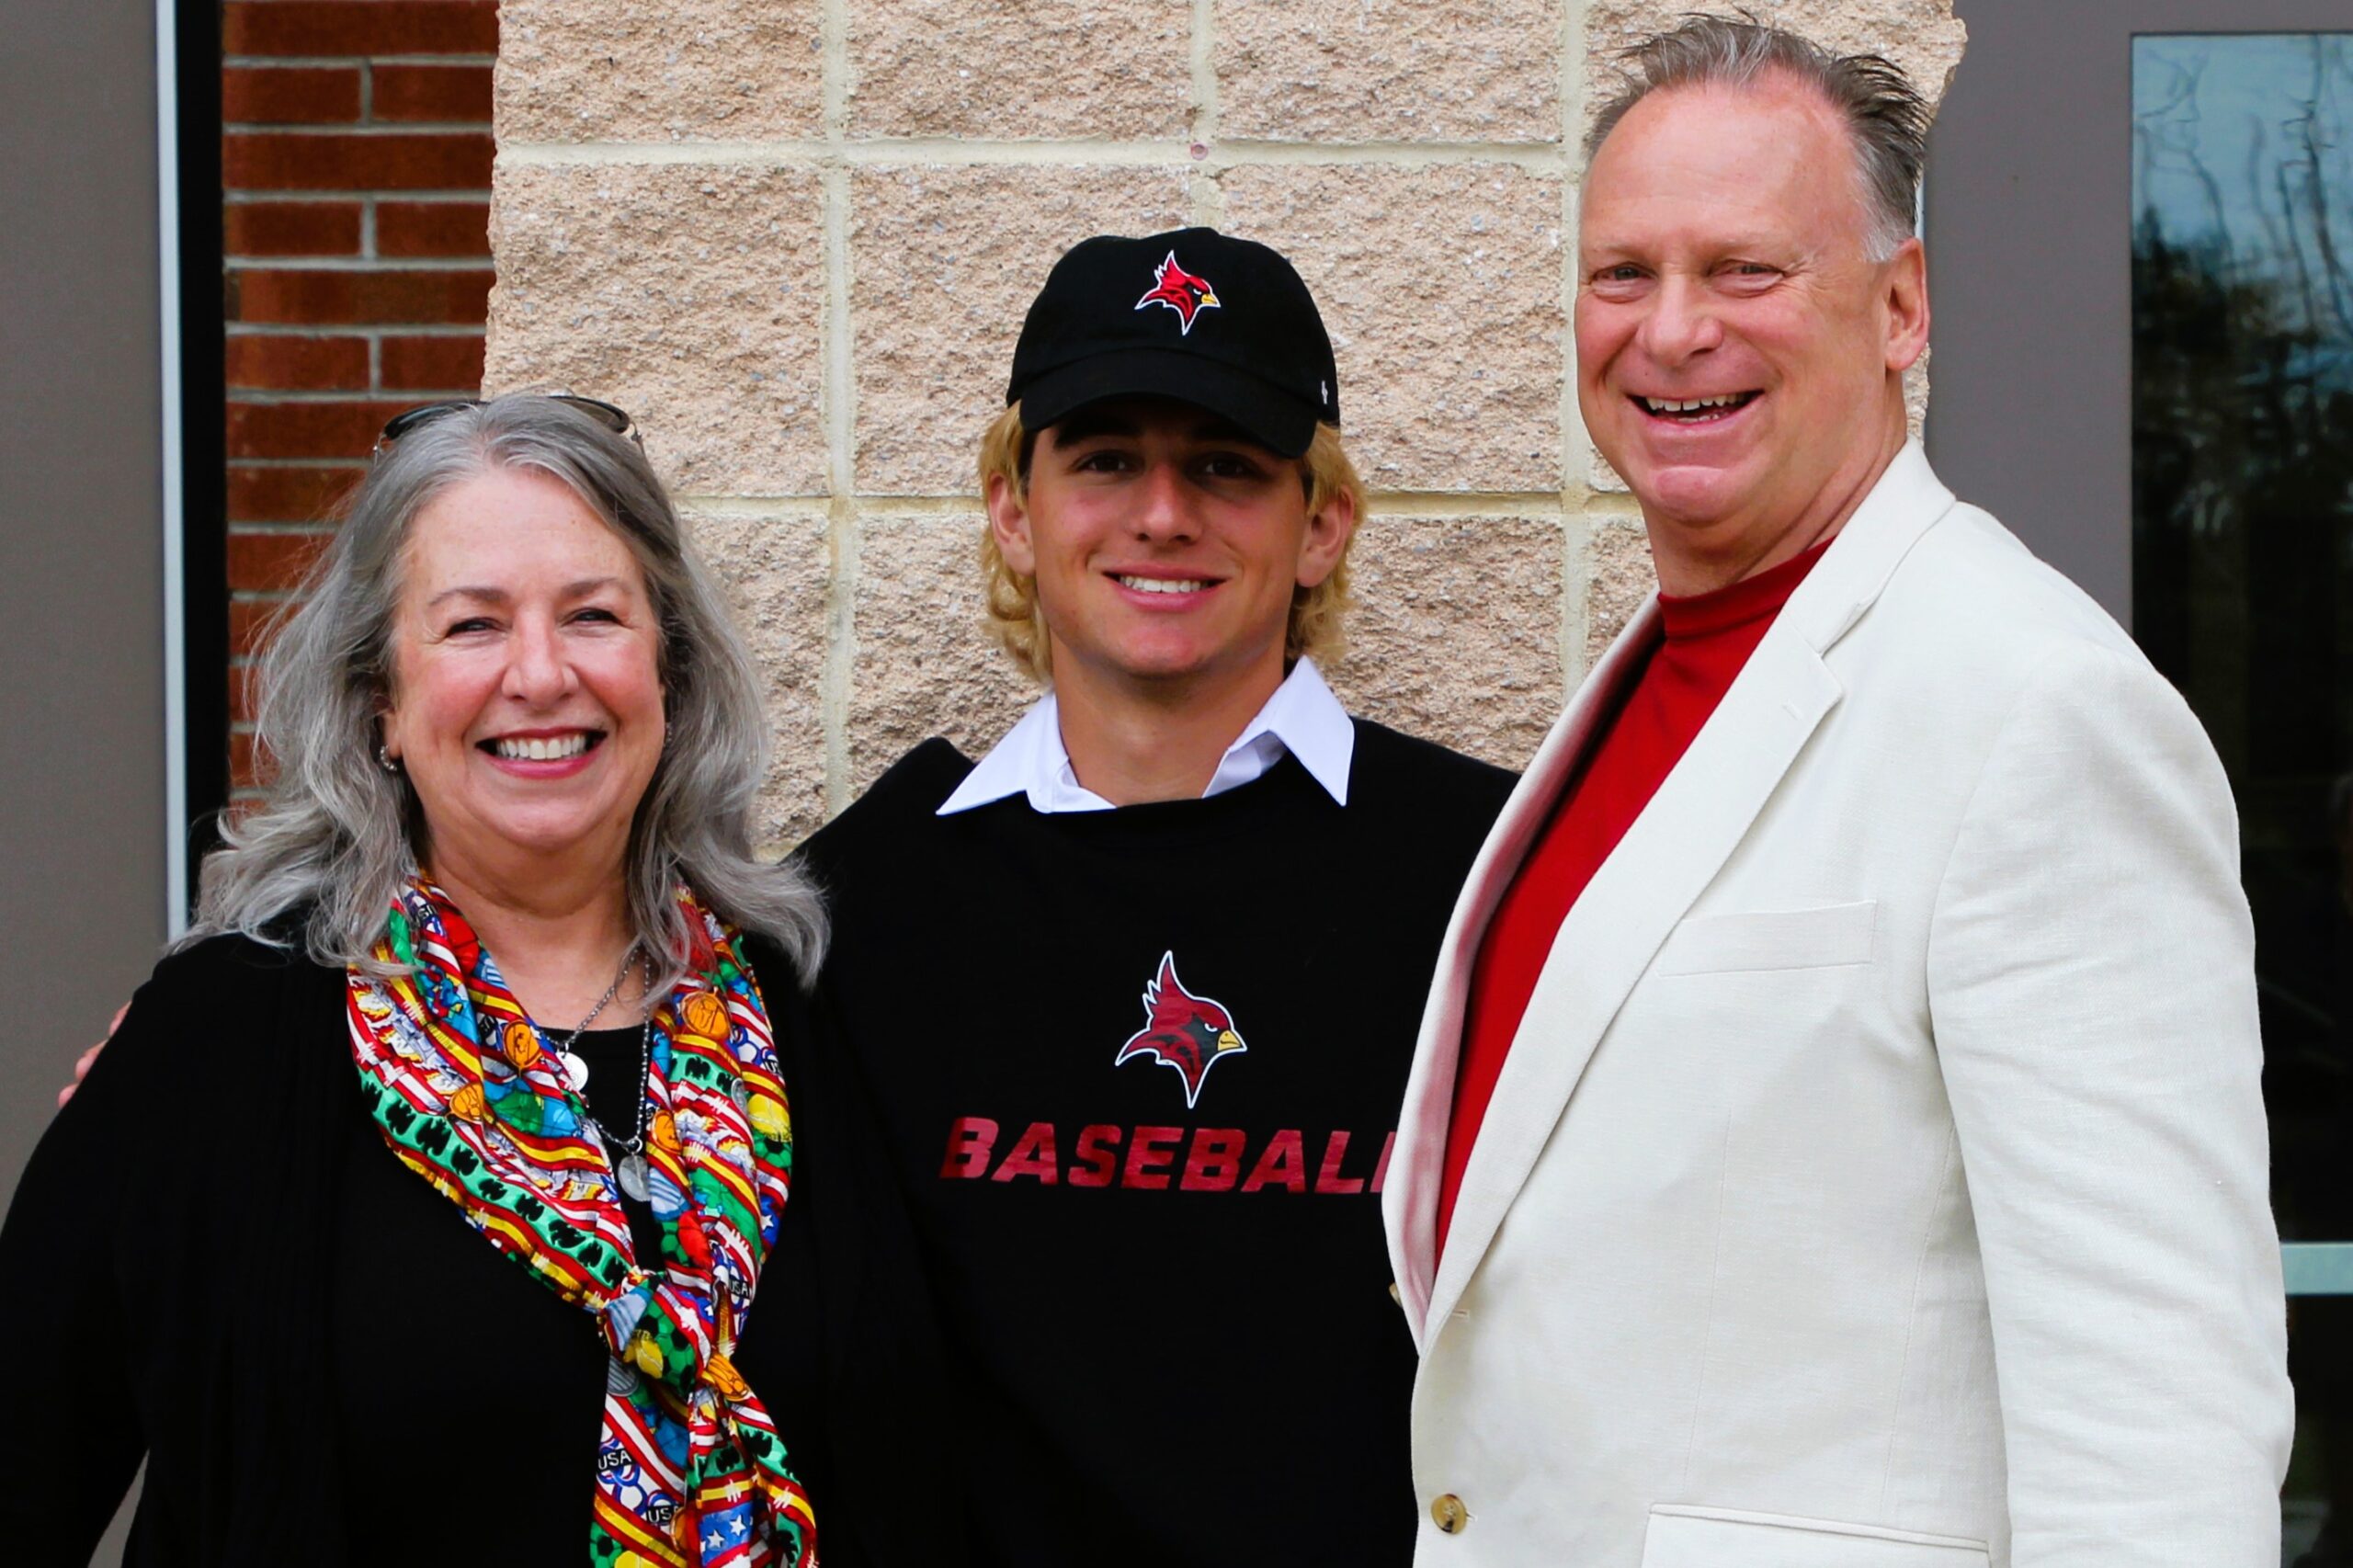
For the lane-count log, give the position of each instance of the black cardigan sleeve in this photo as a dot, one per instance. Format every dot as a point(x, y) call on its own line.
point(158, 1278)
point(73, 1437)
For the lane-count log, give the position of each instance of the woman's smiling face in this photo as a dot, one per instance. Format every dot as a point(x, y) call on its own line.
point(526, 703)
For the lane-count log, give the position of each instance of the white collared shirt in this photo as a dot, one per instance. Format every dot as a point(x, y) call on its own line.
point(1302, 718)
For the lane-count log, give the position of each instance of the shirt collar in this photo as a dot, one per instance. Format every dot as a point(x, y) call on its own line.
point(1302, 718)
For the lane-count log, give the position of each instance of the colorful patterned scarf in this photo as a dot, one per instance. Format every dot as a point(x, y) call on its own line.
point(689, 1469)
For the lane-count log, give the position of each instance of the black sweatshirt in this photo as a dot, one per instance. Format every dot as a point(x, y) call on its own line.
point(1138, 1073)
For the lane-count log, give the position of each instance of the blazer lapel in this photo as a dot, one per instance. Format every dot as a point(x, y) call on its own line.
point(1666, 859)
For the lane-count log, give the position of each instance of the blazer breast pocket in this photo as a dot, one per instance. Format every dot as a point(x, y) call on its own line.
point(1824, 937)
point(1726, 1538)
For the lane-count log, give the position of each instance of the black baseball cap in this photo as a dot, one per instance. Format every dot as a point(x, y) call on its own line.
point(1223, 324)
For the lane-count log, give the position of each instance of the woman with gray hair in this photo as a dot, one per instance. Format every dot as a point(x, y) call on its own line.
point(493, 949)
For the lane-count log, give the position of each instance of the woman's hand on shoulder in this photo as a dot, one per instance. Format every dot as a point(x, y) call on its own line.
point(82, 1062)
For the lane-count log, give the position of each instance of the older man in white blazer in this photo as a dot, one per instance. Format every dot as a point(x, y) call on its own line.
point(1835, 1139)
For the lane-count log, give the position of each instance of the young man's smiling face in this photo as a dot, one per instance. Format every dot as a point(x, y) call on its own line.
point(1166, 543)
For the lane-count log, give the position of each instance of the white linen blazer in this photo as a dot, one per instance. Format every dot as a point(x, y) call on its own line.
point(1878, 1176)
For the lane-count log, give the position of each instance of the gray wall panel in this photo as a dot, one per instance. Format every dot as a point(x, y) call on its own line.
point(80, 542)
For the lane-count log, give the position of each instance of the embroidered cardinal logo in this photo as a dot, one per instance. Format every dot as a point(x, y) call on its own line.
point(1191, 1033)
point(1180, 292)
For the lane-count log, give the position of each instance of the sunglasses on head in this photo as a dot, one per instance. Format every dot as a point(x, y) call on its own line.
point(611, 418)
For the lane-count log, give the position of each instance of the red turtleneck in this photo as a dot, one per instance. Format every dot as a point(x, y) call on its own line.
point(1707, 638)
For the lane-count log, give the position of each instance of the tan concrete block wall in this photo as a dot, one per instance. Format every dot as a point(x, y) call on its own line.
point(796, 239)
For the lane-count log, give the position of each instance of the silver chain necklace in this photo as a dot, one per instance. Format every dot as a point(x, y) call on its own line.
point(575, 1070)
point(629, 1171)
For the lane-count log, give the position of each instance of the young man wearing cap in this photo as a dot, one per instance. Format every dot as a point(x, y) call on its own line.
point(1127, 1005)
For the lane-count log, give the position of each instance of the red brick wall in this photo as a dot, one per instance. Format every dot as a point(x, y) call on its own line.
point(356, 164)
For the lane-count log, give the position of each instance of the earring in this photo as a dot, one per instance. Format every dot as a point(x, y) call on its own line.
point(384, 760)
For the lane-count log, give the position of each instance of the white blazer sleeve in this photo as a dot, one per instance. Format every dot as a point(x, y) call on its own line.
point(2091, 988)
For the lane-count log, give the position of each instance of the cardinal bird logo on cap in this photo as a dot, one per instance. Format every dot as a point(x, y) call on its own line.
point(1191, 1033)
point(1180, 292)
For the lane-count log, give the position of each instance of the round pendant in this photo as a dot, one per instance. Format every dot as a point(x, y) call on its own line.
point(741, 1093)
point(575, 1072)
point(631, 1173)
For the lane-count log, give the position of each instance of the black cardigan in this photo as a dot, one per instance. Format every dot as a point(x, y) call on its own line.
point(168, 1280)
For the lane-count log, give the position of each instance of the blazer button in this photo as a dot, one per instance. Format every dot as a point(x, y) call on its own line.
point(1449, 1513)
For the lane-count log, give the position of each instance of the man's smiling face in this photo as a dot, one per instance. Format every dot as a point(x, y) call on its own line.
point(1166, 544)
point(1734, 339)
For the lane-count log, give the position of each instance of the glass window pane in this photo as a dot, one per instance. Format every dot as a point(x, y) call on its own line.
point(2242, 594)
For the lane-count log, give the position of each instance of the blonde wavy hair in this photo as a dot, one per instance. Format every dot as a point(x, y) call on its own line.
point(1314, 627)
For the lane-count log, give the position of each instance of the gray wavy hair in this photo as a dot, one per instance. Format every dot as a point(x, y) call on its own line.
point(1886, 116)
point(336, 834)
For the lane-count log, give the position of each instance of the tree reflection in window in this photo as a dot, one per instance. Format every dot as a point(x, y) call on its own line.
point(2242, 589)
